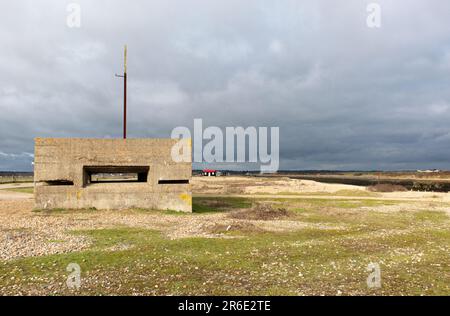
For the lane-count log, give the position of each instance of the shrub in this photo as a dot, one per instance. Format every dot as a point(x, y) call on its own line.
point(261, 211)
point(386, 187)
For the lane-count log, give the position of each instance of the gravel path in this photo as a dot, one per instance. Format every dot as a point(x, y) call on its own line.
point(25, 233)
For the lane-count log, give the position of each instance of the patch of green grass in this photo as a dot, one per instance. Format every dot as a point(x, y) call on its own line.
point(16, 179)
point(175, 213)
point(62, 211)
point(109, 237)
point(150, 210)
point(20, 190)
point(307, 261)
point(191, 265)
point(219, 204)
point(364, 193)
point(371, 220)
point(316, 203)
point(350, 193)
point(430, 216)
point(411, 247)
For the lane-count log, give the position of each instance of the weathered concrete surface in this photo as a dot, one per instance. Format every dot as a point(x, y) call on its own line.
point(62, 168)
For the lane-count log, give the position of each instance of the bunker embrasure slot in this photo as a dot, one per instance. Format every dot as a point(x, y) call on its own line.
point(178, 181)
point(114, 174)
point(58, 182)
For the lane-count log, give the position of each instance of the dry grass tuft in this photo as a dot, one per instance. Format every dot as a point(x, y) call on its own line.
point(261, 211)
point(386, 187)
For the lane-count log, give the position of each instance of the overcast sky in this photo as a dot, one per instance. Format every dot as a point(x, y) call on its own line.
point(345, 96)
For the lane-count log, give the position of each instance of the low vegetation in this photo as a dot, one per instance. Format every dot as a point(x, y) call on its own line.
point(273, 247)
point(386, 187)
point(20, 190)
point(261, 211)
point(213, 204)
point(15, 179)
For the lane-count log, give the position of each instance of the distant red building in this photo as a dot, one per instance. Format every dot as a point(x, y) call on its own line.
point(209, 172)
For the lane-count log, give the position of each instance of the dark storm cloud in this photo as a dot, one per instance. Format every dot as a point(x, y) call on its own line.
point(344, 96)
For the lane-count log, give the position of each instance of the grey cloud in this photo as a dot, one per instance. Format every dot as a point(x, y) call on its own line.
point(344, 96)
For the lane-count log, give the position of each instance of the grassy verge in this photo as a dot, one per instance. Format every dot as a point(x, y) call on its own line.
point(222, 204)
point(20, 190)
point(9, 179)
point(310, 262)
point(346, 193)
point(411, 248)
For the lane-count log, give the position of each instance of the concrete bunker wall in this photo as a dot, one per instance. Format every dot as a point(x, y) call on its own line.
point(110, 174)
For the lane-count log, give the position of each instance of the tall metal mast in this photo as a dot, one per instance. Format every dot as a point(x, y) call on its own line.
point(124, 76)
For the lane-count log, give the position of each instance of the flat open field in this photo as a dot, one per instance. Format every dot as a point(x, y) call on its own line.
point(417, 181)
point(247, 236)
point(15, 179)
